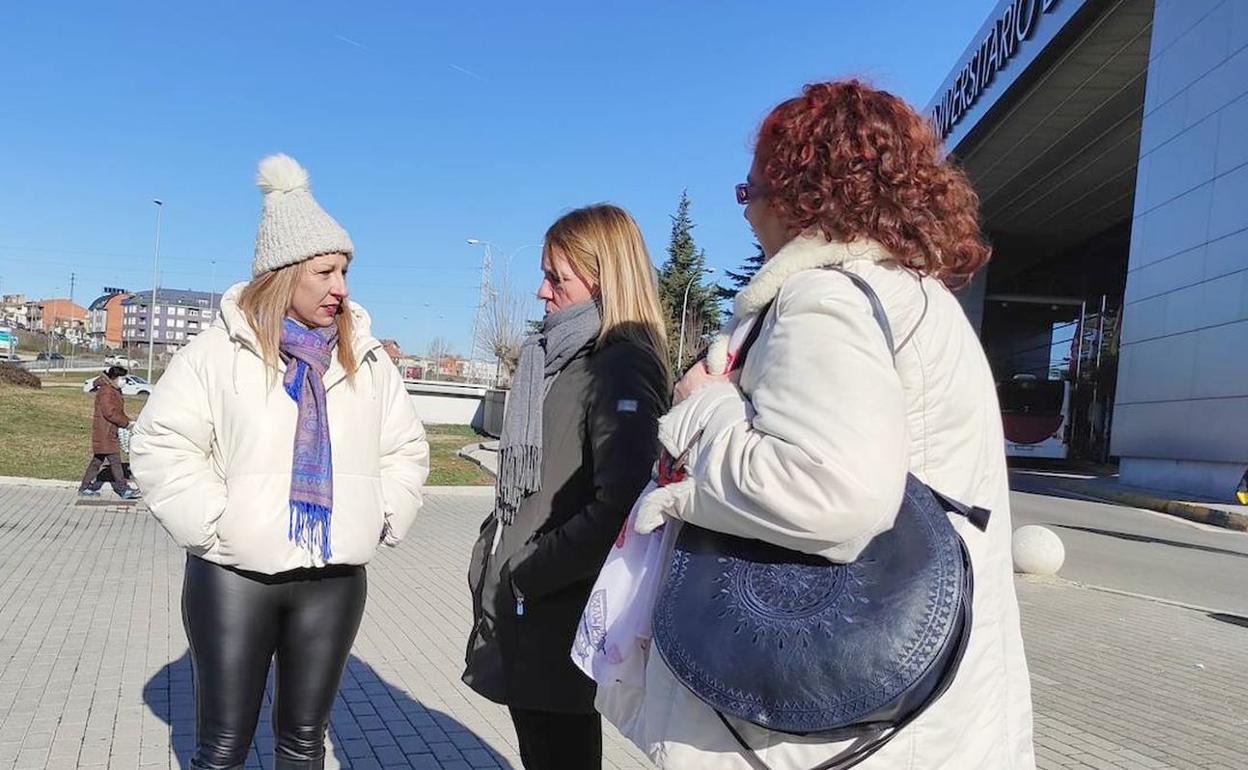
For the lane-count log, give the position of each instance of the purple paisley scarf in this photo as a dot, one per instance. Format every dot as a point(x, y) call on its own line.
point(307, 353)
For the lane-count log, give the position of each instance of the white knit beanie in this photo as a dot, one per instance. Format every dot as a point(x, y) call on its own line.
point(293, 226)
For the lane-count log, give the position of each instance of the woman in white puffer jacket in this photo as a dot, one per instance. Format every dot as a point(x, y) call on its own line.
point(808, 445)
point(279, 449)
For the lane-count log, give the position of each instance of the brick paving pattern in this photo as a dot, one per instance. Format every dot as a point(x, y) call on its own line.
point(94, 670)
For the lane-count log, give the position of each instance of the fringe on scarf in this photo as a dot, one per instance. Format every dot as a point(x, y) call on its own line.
point(309, 527)
point(517, 477)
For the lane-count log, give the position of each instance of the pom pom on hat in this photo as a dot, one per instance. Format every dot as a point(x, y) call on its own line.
point(281, 173)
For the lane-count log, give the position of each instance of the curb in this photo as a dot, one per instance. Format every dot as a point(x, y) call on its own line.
point(21, 481)
point(1203, 514)
point(470, 453)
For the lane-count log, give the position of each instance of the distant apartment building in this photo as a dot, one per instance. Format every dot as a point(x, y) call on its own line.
point(105, 320)
point(14, 311)
point(179, 316)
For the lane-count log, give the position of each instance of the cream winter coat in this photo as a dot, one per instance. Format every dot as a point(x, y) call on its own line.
point(213, 448)
point(811, 453)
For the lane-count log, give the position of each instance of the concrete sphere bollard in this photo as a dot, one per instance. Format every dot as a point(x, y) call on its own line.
point(1037, 550)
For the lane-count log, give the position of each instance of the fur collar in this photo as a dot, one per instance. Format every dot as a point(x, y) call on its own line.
point(805, 252)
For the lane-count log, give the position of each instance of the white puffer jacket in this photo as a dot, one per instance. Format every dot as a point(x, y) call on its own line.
point(213, 448)
point(811, 453)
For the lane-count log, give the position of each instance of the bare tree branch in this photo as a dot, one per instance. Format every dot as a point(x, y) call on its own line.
point(439, 351)
point(502, 328)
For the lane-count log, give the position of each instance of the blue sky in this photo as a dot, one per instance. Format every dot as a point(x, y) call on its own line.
point(422, 125)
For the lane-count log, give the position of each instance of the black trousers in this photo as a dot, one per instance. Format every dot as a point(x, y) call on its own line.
point(550, 741)
point(89, 480)
point(236, 622)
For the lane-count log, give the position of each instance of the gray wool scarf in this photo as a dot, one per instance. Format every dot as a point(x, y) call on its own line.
point(542, 356)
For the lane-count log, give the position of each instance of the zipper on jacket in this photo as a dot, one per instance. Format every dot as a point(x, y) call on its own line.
point(519, 597)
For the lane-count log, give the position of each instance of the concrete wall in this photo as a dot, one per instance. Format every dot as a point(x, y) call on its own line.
point(448, 402)
point(1181, 420)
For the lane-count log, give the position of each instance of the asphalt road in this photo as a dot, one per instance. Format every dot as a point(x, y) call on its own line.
point(1145, 553)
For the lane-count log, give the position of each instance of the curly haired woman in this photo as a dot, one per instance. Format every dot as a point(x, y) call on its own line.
point(808, 444)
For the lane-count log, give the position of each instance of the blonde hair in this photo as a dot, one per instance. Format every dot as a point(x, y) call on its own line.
point(265, 303)
point(603, 246)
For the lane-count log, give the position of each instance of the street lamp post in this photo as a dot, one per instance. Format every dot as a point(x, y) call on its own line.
point(512, 253)
point(684, 310)
point(151, 308)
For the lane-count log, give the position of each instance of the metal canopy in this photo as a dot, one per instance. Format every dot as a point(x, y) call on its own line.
point(1055, 161)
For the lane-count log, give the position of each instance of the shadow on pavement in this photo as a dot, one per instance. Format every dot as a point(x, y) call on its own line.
point(373, 723)
point(1154, 540)
point(1234, 620)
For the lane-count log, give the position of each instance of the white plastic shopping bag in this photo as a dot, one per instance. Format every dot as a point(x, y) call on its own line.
point(613, 638)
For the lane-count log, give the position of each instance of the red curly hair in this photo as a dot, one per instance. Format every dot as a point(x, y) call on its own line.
point(856, 162)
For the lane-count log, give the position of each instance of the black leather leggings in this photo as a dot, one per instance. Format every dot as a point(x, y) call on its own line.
point(236, 621)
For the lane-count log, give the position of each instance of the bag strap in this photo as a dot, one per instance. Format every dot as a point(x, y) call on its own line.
point(976, 515)
point(973, 513)
point(877, 309)
point(739, 360)
point(843, 761)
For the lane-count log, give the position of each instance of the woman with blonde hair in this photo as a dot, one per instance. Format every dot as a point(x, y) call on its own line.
point(279, 449)
point(578, 443)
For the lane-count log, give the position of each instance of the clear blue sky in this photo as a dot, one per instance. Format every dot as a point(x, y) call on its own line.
point(421, 124)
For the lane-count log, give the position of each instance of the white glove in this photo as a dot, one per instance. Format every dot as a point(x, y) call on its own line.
point(663, 503)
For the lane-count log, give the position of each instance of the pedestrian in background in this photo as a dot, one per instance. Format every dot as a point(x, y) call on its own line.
point(279, 449)
point(807, 446)
point(110, 414)
point(577, 446)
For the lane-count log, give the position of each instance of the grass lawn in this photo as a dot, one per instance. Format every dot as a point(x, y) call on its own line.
point(47, 435)
point(61, 378)
point(448, 468)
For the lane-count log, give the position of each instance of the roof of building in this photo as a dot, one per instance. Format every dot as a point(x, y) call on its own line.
point(62, 303)
point(173, 297)
point(101, 301)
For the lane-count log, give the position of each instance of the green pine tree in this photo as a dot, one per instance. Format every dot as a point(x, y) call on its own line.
point(685, 269)
point(742, 277)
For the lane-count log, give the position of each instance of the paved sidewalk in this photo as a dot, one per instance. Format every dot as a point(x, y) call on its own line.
point(94, 671)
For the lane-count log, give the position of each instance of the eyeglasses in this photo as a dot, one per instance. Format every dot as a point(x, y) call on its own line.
point(747, 191)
